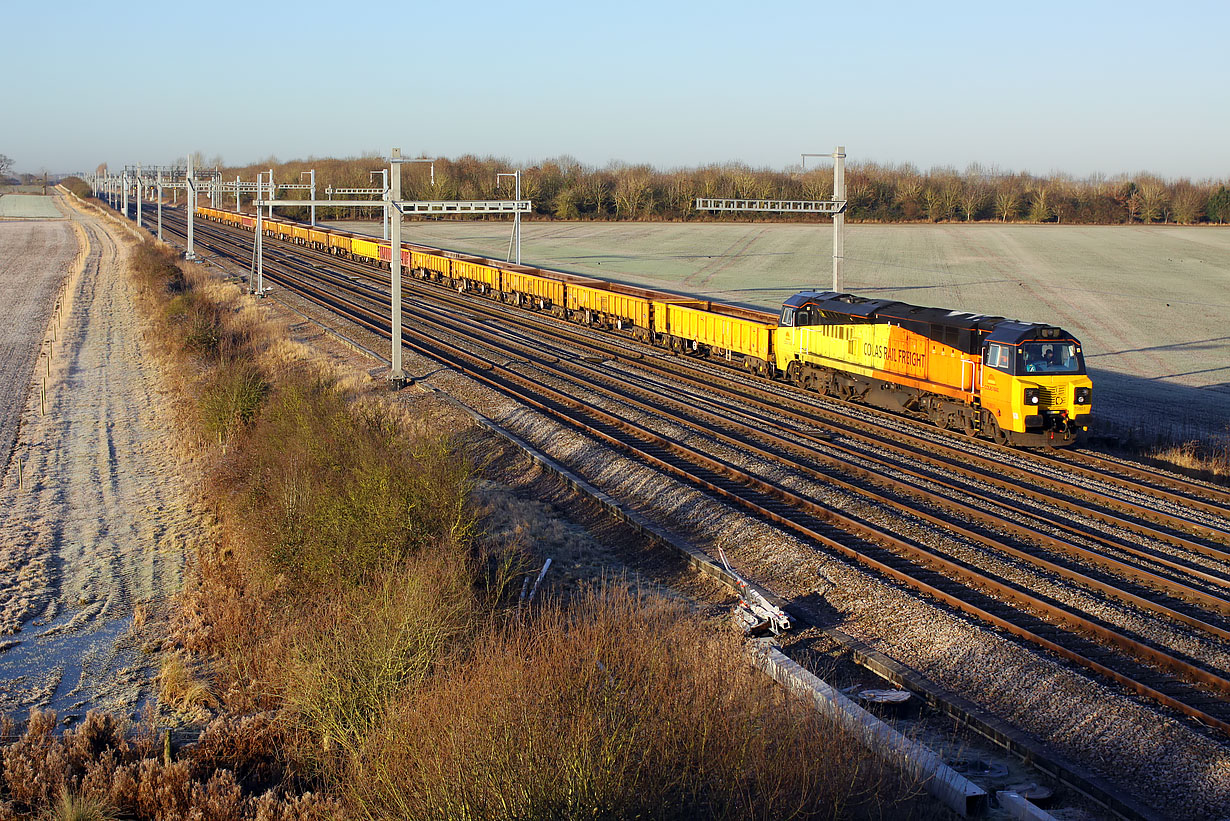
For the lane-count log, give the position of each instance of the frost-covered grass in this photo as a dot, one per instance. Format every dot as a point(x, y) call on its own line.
point(29, 206)
point(1150, 303)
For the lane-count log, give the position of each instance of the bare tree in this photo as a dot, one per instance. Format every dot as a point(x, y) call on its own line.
point(933, 202)
point(1153, 200)
point(973, 198)
point(6, 165)
point(1006, 204)
point(1039, 206)
point(567, 204)
point(817, 185)
point(681, 192)
point(632, 193)
point(1187, 203)
point(595, 193)
point(909, 189)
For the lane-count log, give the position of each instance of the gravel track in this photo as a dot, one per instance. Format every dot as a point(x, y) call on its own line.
point(98, 536)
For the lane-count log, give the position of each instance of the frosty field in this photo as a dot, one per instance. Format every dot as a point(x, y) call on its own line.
point(27, 206)
point(1150, 303)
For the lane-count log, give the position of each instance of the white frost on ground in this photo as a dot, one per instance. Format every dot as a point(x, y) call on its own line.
point(100, 530)
point(34, 258)
point(29, 206)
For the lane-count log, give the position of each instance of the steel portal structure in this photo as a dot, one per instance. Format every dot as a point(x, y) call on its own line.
point(835, 206)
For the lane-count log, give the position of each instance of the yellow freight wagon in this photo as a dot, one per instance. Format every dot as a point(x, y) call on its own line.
point(318, 238)
point(365, 249)
point(433, 266)
point(539, 292)
point(339, 243)
point(482, 278)
point(598, 305)
point(301, 233)
point(696, 325)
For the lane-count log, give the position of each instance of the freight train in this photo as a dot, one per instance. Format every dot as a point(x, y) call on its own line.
point(1014, 382)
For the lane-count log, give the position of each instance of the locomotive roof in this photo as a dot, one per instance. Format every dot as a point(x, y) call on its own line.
point(1014, 333)
point(837, 303)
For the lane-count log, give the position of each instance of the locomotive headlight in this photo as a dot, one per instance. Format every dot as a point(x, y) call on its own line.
point(1081, 396)
point(1032, 396)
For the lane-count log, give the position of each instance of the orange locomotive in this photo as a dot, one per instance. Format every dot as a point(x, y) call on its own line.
point(1015, 382)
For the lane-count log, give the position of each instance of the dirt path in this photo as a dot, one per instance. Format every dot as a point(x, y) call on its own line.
point(99, 532)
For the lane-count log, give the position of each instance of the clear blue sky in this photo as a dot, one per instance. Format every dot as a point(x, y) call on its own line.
point(1078, 87)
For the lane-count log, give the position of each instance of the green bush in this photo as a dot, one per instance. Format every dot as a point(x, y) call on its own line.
point(362, 647)
point(339, 493)
point(157, 268)
point(231, 397)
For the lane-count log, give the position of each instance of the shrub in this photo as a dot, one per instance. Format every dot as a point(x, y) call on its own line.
point(368, 645)
point(338, 492)
point(231, 397)
point(156, 268)
point(78, 186)
point(622, 706)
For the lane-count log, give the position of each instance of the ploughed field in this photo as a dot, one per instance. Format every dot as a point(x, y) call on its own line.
point(1150, 303)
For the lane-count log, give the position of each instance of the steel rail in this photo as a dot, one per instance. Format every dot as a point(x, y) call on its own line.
point(483, 370)
point(990, 467)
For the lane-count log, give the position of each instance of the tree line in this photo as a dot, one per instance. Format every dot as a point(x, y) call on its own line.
point(565, 189)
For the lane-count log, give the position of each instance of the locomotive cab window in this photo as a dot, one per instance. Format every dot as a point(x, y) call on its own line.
point(1050, 357)
point(998, 357)
point(787, 317)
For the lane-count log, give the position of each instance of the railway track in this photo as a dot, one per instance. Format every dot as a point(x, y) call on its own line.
point(758, 429)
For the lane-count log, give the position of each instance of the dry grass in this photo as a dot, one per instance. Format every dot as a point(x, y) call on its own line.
point(1197, 457)
point(104, 769)
point(181, 688)
point(620, 706)
point(69, 807)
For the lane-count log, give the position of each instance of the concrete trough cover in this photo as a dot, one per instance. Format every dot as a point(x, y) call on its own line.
point(953, 789)
point(1018, 808)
